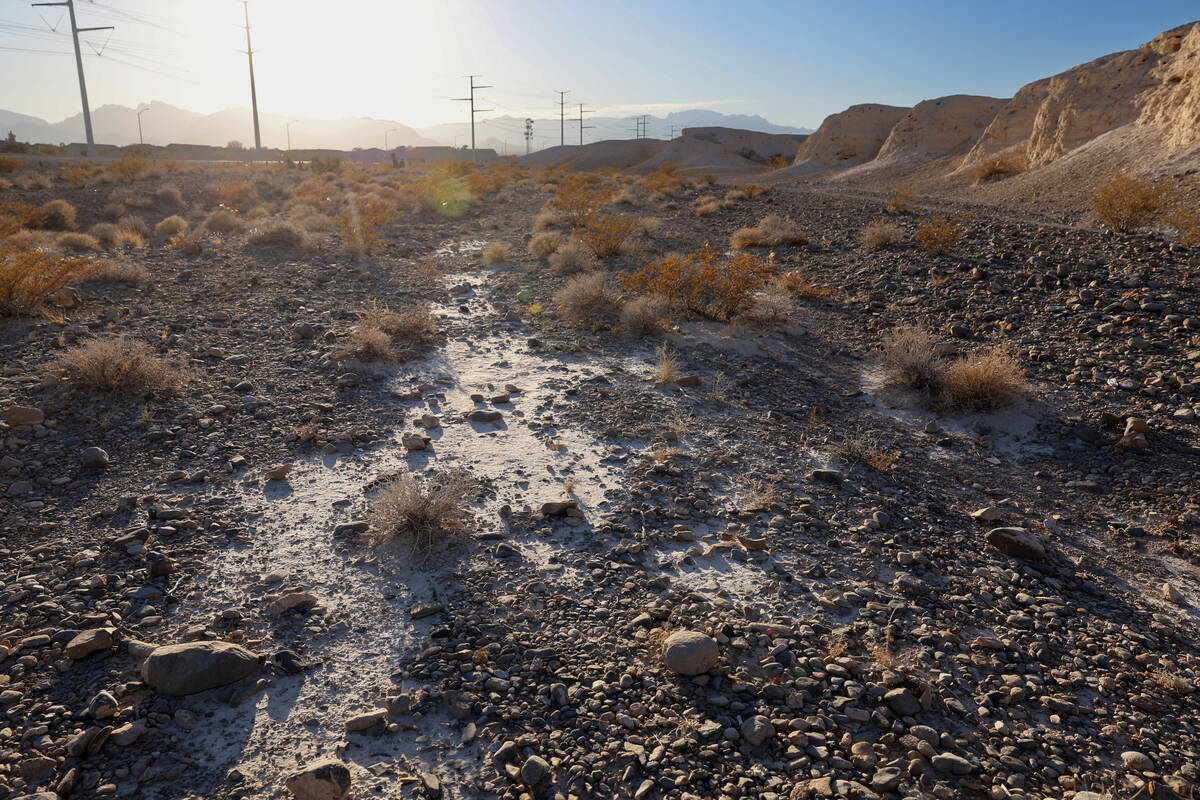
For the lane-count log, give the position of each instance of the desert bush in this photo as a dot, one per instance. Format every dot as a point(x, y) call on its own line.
point(572, 257)
point(987, 378)
point(902, 202)
point(881, 233)
point(424, 518)
point(113, 210)
point(586, 298)
point(771, 231)
point(778, 161)
point(362, 223)
point(26, 239)
point(606, 234)
point(9, 164)
point(281, 234)
point(545, 244)
point(938, 235)
point(546, 219)
point(119, 364)
point(326, 164)
point(5, 184)
point(1000, 165)
point(79, 174)
point(368, 344)
point(796, 284)
point(627, 196)
point(579, 198)
point(79, 242)
point(910, 359)
point(105, 232)
point(15, 215)
point(1187, 226)
point(130, 166)
point(30, 278)
point(171, 226)
point(497, 253)
point(222, 222)
point(58, 215)
point(314, 222)
point(768, 307)
point(169, 196)
point(119, 272)
point(704, 206)
point(134, 224)
point(646, 315)
point(649, 226)
point(29, 180)
point(704, 282)
point(1128, 204)
point(408, 332)
point(665, 181)
point(232, 194)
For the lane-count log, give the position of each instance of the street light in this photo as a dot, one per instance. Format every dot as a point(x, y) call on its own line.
point(289, 133)
point(141, 143)
point(385, 135)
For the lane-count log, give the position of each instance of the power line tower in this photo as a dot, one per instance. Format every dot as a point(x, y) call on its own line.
point(75, 31)
point(528, 134)
point(645, 126)
point(672, 131)
point(581, 125)
point(474, 110)
point(562, 117)
point(253, 92)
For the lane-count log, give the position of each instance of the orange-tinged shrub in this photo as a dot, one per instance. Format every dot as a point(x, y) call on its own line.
point(28, 278)
point(1126, 204)
point(130, 166)
point(362, 223)
point(606, 234)
point(579, 198)
point(238, 195)
point(938, 235)
point(704, 282)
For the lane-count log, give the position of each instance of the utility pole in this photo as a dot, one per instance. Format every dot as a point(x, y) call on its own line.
point(289, 134)
point(141, 141)
point(253, 93)
point(645, 126)
point(474, 110)
point(75, 31)
point(528, 134)
point(581, 125)
point(672, 131)
point(562, 118)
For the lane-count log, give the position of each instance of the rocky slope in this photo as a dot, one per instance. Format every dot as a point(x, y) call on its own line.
point(849, 137)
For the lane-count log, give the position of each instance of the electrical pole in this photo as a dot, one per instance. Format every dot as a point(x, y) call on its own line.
point(289, 134)
point(562, 118)
point(672, 131)
point(474, 110)
point(141, 141)
point(75, 31)
point(253, 93)
point(581, 125)
point(528, 134)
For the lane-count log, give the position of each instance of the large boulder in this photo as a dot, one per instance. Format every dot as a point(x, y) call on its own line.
point(86, 642)
point(322, 780)
point(1017, 543)
point(190, 667)
point(689, 653)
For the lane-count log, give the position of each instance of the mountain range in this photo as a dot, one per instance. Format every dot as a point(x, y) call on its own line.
point(164, 124)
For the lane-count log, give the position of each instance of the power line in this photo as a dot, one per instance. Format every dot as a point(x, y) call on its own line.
point(75, 31)
point(474, 111)
point(253, 92)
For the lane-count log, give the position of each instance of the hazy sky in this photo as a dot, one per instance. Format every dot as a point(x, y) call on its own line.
point(792, 62)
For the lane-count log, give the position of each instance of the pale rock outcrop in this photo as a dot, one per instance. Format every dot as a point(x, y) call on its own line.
point(849, 137)
point(938, 127)
point(1174, 102)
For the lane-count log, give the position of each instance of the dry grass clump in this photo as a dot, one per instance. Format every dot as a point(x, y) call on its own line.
point(281, 234)
point(30, 180)
point(668, 366)
point(649, 227)
point(704, 206)
point(544, 244)
point(119, 364)
point(939, 235)
point(987, 378)
point(9, 164)
point(572, 257)
point(911, 359)
point(30, 278)
point(866, 450)
point(627, 196)
point(363, 222)
point(113, 210)
point(169, 196)
point(881, 233)
point(585, 298)
point(119, 272)
point(704, 282)
point(407, 332)
point(998, 166)
point(424, 518)
point(646, 315)
point(497, 253)
point(606, 234)
point(545, 220)
point(115, 235)
point(58, 215)
point(77, 242)
point(799, 285)
point(237, 195)
point(171, 226)
point(1187, 226)
point(902, 202)
point(222, 222)
point(130, 166)
point(134, 224)
point(1128, 204)
point(771, 231)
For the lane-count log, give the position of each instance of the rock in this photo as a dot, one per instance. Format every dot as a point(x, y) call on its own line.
point(321, 780)
point(757, 730)
point(103, 706)
point(187, 668)
point(535, 770)
point(159, 564)
point(903, 702)
point(987, 514)
point(557, 508)
point(1172, 595)
point(414, 441)
point(951, 764)
point(93, 458)
point(428, 421)
point(887, 779)
point(484, 415)
point(689, 653)
point(277, 472)
point(688, 380)
point(128, 733)
point(361, 722)
point(825, 476)
point(1016, 543)
point(1136, 762)
point(287, 602)
point(827, 787)
point(23, 415)
point(87, 642)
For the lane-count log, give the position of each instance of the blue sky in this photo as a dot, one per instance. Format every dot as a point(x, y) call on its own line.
point(792, 62)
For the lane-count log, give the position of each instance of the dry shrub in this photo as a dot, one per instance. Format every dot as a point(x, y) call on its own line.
point(33, 180)
point(771, 231)
point(362, 223)
point(585, 298)
point(627, 196)
point(668, 369)
point(134, 224)
point(797, 284)
point(314, 222)
point(369, 344)
point(58, 215)
point(910, 359)
point(1000, 165)
point(867, 451)
point(1187, 226)
point(939, 235)
point(79, 174)
point(130, 166)
point(9, 164)
point(703, 282)
point(280, 234)
point(119, 364)
point(15, 215)
point(546, 219)
point(113, 210)
point(28, 240)
point(79, 242)
point(119, 272)
point(106, 232)
point(881, 233)
point(704, 206)
point(30, 278)
point(572, 257)
point(497, 253)
point(733, 196)
point(902, 202)
point(5, 184)
point(169, 196)
point(222, 222)
point(768, 307)
point(579, 198)
point(237, 195)
point(606, 234)
point(171, 226)
point(408, 332)
point(646, 315)
point(1128, 204)
point(649, 227)
point(545, 244)
point(778, 161)
point(987, 378)
point(423, 517)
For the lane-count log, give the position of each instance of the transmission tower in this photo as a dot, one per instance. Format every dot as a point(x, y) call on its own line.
point(562, 117)
point(528, 134)
point(253, 93)
point(474, 110)
point(581, 125)
point(75, 31)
